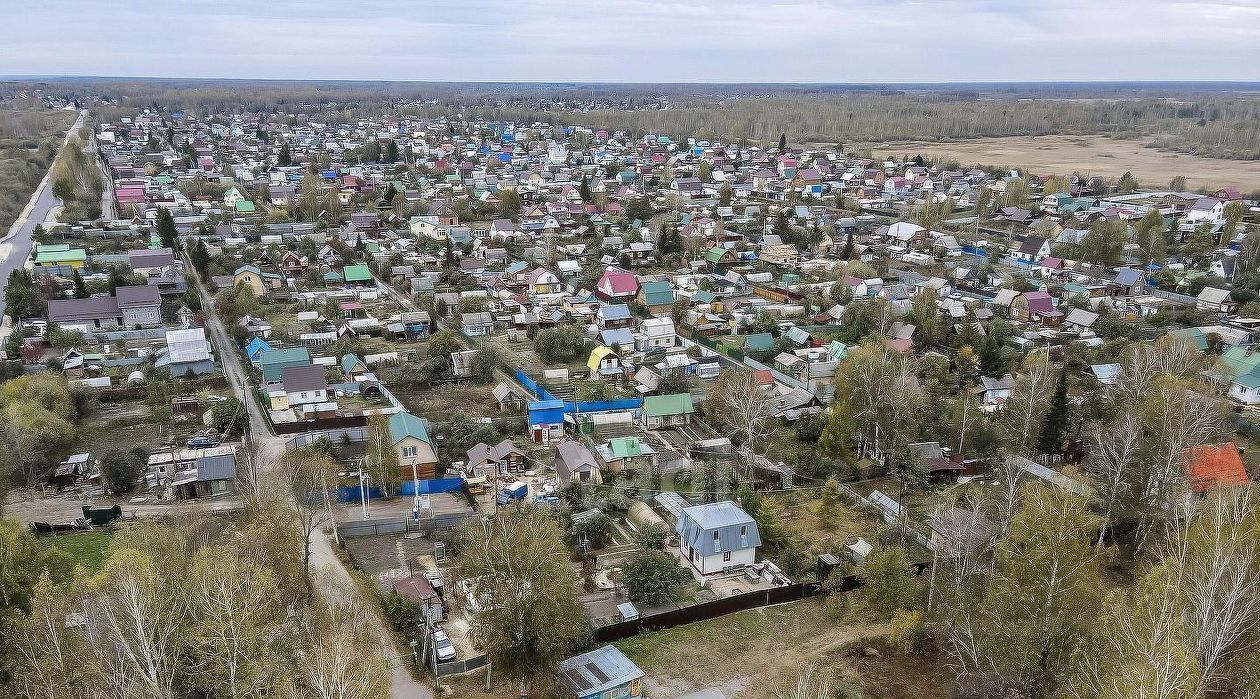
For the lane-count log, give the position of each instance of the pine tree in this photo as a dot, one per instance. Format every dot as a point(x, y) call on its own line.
point(80, 288)
point(285, 158)
point(782, 142)
point(200, 258)
point(1055, 425)
point(848, 246)
point(391, 153)
point(584, 189)
point(166, 229)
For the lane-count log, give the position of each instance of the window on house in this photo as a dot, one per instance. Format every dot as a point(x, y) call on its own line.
point(409, 451)
point(726, 557)
point(743, 531)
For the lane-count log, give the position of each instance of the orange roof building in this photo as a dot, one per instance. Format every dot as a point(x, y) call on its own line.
point(1214, 466)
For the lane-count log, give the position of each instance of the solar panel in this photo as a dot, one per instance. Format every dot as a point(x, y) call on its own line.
point(598, 673)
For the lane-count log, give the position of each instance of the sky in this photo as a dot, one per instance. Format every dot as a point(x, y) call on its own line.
point(831, 41)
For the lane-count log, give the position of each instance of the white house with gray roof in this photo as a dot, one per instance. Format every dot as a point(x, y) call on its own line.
point(717, 536)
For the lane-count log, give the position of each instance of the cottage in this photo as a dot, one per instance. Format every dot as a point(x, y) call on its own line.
point(667, 411)
point(130, 307)
point(510, 400)
point(409, 437)
point(574, 462)
point(717, 536)
point(478, 324)
point(493, 461)
point(1213, 466)
point(299, 386)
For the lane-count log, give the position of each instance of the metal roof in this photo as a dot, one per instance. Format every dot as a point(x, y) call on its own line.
point(597, 671)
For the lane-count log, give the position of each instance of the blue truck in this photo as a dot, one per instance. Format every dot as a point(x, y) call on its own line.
point(515, 492)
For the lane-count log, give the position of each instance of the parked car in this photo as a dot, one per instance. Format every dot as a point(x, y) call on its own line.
point(445, 649)
point(203, 442)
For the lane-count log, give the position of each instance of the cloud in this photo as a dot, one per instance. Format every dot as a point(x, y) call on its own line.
point(639, 40)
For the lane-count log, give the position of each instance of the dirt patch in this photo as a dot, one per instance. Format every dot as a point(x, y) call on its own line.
point(439, 403)
point(1088, 155)
point(816, 536)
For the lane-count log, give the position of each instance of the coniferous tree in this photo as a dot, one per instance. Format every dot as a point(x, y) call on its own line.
point(1056, 422)
point(285, 158)
point(584, 189)
point(200, 258)
point(782, 142)
point(848, 246)
point(391, 153)
point(166, 229)
point(80, 288)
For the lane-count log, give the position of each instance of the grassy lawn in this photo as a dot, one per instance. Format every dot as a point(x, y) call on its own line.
point(814, 535)
point(749, 654)
point(87, 549)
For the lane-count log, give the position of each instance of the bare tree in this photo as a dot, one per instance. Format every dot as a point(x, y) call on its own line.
point(1217, 554)
point(740, 403)
point(133, 626)
point(1111, 463)
point(311, 473)
point(1026, 408)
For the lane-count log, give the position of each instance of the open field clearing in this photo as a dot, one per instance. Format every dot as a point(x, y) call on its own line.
point(1092, 155)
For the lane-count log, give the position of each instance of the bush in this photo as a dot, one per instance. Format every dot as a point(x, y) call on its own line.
point(597, 531)
point(652, 577)
point(905, 630)
point(400, 611)
point(229, 416)
point(121, 469)
point(888, 582)
point(651, 536)
point(559, 345)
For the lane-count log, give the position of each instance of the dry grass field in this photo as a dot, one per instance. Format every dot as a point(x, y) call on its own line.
point(1092, 155)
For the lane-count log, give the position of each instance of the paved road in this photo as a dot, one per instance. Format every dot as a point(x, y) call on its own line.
point(270, 448)
point(15, 247)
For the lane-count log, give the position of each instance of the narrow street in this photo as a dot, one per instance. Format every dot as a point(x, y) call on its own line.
point(15, 246)
point(270, 449)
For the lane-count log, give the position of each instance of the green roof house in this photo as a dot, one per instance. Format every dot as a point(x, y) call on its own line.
point(409, 436)
point(657, 296)
point(273, 362)
point(666, 411)
point(357, 274)
point(1243, 373)
point(60, 256)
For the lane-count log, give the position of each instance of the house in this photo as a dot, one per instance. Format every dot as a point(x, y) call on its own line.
point(545, 420)
point(603, 673)
point(1034, 305)
point(358, 275)
point(717, 536)
point(1033, 249)
point(993, 391)
point(656, 333)
point(510, 400)
point(187, 352)
point(59, 259)
point(666, 411)
point(620, 453)
point(1212, 466)
point(194, 473)
point(1213, 299)
point(604, 364)
point(1242, 370)
point(612, 316)
point(544, 282)
point(616, 284)
point(574, 462)
point(478, 324)
point(273, 362)
point(658, 297)
point(130, 307)
point(492, 461)
point(418, 589)
point(300, 386)
point(258, 281)
point(409, 437)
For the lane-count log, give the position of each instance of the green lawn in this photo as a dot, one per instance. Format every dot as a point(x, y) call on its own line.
point(87, 549)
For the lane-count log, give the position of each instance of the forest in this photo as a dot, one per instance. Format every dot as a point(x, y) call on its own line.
point(1201, 119)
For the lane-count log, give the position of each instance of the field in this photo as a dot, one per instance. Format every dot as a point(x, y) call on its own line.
point(1088, 155)
point(88, 549)
point(29, 138)
point(750, 654)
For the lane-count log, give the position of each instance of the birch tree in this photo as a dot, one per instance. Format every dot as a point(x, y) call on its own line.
point(1111, 465)
point(519, 566)
point(739, 403)
point(1025, 409)
point(311, 473)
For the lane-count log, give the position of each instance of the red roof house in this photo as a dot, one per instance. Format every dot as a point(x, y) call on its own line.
point(1214, 466)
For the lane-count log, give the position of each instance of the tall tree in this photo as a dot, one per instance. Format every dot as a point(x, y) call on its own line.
point(1054, 426)
point(285, 158)
point(531, 613)
point(311, 473)
point(80, 288)
point(783, 142)
point(166, 229)
point(584, 189)
point(833, 443)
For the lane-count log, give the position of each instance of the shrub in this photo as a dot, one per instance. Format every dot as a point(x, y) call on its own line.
point(905, 630)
